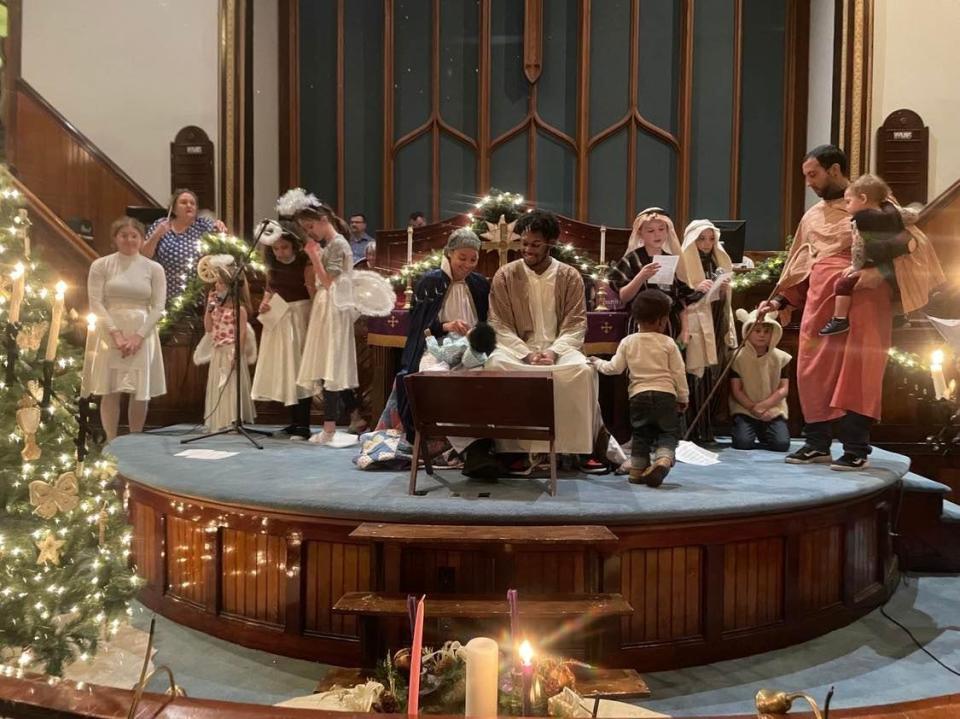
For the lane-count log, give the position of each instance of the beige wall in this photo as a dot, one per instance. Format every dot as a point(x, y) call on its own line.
point(916, 56)
point(128, 75)
point(266, 114)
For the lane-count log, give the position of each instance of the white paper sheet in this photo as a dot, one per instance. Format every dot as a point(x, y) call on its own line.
point(204, 454)
point(950, 329)
point(278, 308)
point(668, 268)
point(714, 291)
point(689, 453)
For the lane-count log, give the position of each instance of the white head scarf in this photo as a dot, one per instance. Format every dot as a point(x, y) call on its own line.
point(672, 245)
point(690, 255)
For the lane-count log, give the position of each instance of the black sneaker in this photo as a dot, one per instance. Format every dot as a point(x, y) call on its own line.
point(849, 463)
point(298, 431)
point(289, 429)
point(808, 455)
point(836, 326)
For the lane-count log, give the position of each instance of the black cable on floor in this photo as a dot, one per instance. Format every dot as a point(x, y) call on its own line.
point(883, 611)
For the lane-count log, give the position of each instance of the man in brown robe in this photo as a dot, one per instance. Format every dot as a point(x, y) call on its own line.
point(538, 310)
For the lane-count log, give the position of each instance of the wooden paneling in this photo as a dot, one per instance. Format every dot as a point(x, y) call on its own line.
point(67, 171)
point(253, 576)
point(862, 552)
point(447, 571)
point(147, 545)
point(331, 570)
point(820, 578)
point(187, 552)
point(753, 583)
point(664, 586)
point(551, 572)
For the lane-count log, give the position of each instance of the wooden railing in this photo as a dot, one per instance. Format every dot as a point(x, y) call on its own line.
point(58, 245)
point(940, 220)
point(66, 171)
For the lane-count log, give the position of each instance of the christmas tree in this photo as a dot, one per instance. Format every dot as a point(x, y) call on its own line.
point(65, 575)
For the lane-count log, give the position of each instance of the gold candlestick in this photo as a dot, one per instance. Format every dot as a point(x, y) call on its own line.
point(602, 295)
point(408, 294)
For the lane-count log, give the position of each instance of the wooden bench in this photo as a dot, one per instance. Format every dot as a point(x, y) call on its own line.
point(486, 404)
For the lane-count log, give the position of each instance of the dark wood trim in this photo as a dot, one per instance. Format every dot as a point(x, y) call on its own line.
point(866, 96)
point(435, 114)
point(736, 108)
point(40, 211)
point(837, 102)
point(341, 110)
point(941, 202)
point(388, 109)
point(533, 40)
point(583, 115)
point(82, 140)
point(289, 93)
point(13, 50)
point(483, 99)
point(226, 41)
point(795, 102)
point(685, 113)
point(247, 139)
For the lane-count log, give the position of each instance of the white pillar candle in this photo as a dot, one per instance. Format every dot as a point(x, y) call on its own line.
point(603, 244)
point(483, 670)
point(56, 319)
point(409, 245)
point(19, 277)
point(936, 373)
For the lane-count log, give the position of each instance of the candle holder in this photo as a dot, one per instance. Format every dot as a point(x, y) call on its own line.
point(28, 421)
point(13, 352)
point(83, 427)
point(408, 294)
point(602, 285)
point(47, 384)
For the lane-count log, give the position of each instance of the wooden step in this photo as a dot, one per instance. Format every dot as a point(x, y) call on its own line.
point(374, 604)
point(418, 533)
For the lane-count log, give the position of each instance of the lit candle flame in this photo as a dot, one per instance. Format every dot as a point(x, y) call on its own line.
point(61, 288)
point(18, 270)
point(526, 653)
point(91, 321)
point(936, 358)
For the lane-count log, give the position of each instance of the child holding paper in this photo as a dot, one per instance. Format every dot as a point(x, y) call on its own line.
point(652, 242)
point(284, 313)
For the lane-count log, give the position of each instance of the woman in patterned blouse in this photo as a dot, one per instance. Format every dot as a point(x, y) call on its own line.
point(173, 241)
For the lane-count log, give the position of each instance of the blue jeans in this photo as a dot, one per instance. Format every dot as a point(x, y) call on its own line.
point(773, 435)
point(656, 425)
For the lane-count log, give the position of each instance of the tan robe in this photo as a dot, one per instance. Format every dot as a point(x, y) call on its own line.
point(512, 307)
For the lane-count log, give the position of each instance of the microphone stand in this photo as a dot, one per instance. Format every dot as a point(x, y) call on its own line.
point(237, 425)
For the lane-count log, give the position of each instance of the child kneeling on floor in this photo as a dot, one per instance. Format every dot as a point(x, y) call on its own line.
point(658, 387)
point(759, 386)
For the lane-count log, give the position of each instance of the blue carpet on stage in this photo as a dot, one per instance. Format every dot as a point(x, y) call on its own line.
point(312, 479)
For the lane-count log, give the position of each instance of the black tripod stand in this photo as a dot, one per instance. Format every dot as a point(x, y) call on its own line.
point(237, 424)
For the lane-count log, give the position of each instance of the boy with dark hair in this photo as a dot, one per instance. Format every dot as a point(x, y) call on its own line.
point(658, 387)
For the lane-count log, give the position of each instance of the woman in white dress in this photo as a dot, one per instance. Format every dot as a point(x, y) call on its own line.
point(329, 354)
point(127, 293)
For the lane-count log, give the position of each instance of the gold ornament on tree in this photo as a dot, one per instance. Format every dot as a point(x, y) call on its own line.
point(29, 336)
point(102, 518)
point(49, 548)
point(501, 238)
point(60, 496)
point(28, 420)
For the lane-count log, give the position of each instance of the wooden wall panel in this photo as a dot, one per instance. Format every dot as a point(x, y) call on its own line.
point(147, 545)
point(820, 578)
point(331, 570)
point(187, 553)
point(447, 571)
point(753, 583)
point(551, 572)
point(862, 556)
point(665, 587)
point(253, 576)
point(67, 171)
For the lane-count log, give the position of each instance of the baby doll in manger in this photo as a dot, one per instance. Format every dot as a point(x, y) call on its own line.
point(458, 351)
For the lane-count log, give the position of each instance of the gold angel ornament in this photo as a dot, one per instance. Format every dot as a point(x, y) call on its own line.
point(28, 420)
point(59, 496)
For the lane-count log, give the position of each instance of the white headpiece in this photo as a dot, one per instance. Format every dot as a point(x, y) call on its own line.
point(269, 232)
point(296, 200)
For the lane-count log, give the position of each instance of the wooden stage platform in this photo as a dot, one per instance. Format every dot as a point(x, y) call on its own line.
point(295, 551)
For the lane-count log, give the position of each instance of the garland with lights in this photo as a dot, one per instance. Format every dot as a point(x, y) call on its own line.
point(65, 581)
point(186, 305)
